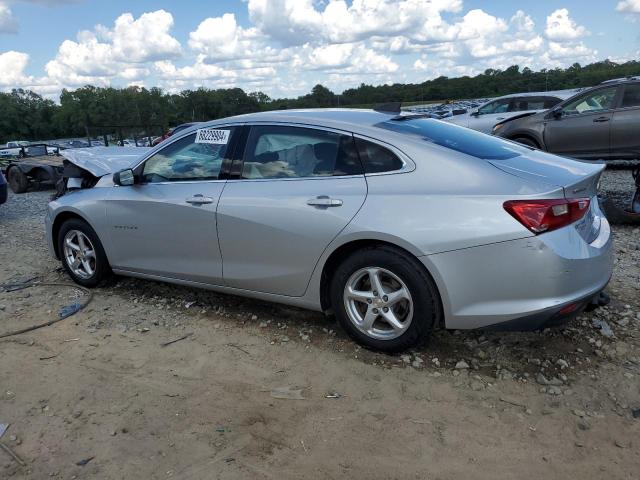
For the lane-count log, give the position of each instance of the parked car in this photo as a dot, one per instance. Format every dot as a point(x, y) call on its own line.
point(499, 109)
point(599, 123)
point(173, 131)
point(395, 223)
point(3, 189)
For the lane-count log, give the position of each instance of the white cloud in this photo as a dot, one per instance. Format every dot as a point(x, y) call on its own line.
point(347, 58)
point(12, 66)
point(221, 38)
point(296, 22)
point(561, 27)
point(98, 55)
point(569, 50)
point(145, 39)
point(8, 23)
point(628, 6)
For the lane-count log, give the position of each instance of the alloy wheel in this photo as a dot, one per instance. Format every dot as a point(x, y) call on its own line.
point(378, 303)
point(79, 254)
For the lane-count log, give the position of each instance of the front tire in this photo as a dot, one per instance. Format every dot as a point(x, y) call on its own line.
point(17, 180)
point(82, 254)
point(384, 299)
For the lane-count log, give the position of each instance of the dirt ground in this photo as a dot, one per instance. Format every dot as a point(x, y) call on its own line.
point(98, 396)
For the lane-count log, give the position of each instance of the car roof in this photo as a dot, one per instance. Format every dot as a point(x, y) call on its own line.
point(621, 80)
point(361, 121)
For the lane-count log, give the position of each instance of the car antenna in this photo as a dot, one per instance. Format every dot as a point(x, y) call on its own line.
point(391, 107)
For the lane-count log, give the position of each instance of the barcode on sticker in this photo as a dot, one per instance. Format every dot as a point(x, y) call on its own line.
point(209, 135)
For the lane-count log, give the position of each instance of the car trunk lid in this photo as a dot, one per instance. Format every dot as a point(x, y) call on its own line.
point(578, 179)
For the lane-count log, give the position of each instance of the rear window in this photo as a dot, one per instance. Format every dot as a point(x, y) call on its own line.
point(456, 138)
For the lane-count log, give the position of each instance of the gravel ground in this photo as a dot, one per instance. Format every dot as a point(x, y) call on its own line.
point(558, 403)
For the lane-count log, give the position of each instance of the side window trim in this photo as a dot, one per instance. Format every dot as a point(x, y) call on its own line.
point(238, 164)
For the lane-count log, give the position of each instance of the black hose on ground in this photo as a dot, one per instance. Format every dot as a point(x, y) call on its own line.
point(14, 287)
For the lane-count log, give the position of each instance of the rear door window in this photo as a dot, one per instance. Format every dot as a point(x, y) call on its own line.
point(275, 151)
point(631, 96)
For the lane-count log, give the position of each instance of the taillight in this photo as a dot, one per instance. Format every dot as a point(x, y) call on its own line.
point(545, 215)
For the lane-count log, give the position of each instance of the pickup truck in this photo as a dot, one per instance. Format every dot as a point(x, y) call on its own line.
point(14, 148)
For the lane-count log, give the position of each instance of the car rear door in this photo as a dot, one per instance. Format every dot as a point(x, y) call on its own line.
point(625, 126)
point(583, 129)
point(165, 224)
point(297, 188)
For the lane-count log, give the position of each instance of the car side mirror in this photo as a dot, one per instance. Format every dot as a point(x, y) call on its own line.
point(475, 113)
point(556, 112)
point(124, 178)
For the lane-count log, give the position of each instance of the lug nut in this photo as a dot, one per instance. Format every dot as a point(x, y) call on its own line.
point(375, 310)
point(385, 298)
point(385, 309)
point(369, 300)
point(375, 293)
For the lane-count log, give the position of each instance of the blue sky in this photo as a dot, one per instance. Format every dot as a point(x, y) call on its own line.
point(284, 47)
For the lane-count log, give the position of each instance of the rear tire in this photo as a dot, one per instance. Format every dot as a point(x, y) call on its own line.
point(81, 253)
point(528, 142)
point(17, 180)
point(376, 319)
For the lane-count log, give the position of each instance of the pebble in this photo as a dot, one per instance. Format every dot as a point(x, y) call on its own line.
point(562, 363)
point(462, 365)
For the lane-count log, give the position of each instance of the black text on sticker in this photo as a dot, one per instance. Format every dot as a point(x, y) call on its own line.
point(209, 135)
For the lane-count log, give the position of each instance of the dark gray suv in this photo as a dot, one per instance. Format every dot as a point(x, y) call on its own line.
point(602, 122)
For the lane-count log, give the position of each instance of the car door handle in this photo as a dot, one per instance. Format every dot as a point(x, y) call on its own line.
point(324, 201)
point(601, 119)
point(199, 200)
point(500, 118)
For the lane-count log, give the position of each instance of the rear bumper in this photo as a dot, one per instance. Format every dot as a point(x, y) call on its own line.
point(553, 317)
point(524, 284)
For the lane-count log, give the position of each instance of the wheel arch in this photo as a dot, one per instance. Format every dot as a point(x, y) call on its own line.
point(528, 136)
point(57, 222)
point(345, 249)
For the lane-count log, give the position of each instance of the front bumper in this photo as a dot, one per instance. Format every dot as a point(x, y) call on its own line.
point(523, 283)
point(48, 228)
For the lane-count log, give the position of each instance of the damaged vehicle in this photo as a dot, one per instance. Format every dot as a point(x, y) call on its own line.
point(503, 108)
point(395, 223)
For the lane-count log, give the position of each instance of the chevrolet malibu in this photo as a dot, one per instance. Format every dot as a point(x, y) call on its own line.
point(395, 223)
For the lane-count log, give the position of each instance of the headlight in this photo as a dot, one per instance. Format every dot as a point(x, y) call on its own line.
point(497, 127)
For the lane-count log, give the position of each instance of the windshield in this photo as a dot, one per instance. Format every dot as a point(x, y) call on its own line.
point(456, 138)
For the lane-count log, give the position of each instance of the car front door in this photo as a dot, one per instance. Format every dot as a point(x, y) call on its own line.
point(582, 128)
point(625, 126)
point(488, 115)
point(165, 224)
point(299, 188)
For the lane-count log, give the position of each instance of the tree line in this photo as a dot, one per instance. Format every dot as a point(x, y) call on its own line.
point(94, 111)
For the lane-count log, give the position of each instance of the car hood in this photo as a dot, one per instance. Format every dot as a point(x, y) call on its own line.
point(100, 161)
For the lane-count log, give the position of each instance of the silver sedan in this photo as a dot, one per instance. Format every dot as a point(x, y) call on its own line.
point(394, 223)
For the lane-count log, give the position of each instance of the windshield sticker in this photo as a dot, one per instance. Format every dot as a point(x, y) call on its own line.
point(210, 135)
